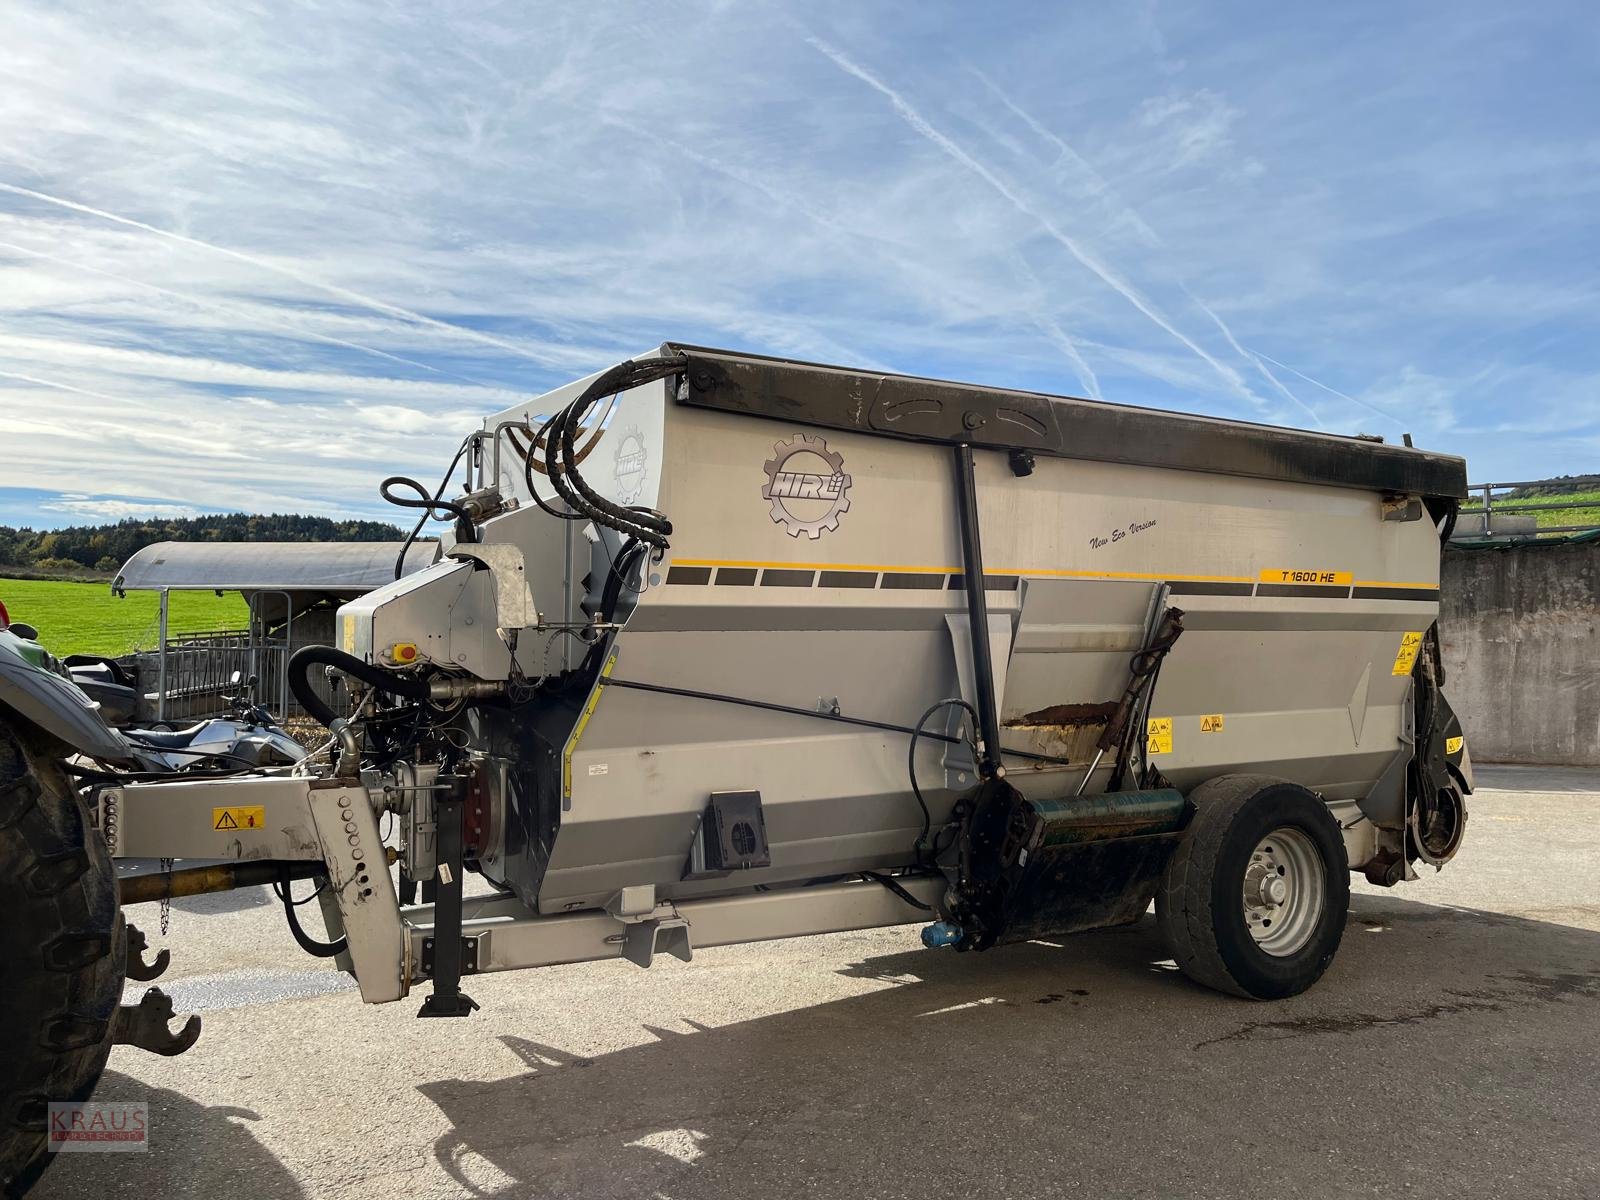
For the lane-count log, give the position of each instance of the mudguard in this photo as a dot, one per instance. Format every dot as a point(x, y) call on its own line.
point(57, 706)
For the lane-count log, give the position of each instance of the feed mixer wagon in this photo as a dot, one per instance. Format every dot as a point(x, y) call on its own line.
point(721, 647)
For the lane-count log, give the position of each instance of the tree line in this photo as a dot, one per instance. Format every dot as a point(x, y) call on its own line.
point(104, 548)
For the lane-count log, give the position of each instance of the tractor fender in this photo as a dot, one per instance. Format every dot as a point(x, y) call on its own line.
point(57, 707)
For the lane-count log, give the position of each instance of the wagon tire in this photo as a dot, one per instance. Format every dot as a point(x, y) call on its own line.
point(1254, 899)
point(62, 952)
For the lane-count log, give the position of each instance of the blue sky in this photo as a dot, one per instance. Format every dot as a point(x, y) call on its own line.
point(258, 257)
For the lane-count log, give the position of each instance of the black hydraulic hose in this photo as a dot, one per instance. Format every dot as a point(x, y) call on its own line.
point(303, 659)
point(557, 439)
point(625, 375)
point(558, 471)
point(917, 734)
point(890, 883)
point(416, 530)
point(620, 378)
point(558, 436)
point(1447, 527)
point(817, 715)
point(617, 580)
point(306, 942)
point(431, 506)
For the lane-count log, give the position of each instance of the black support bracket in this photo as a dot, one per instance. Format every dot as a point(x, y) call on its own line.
point(977, 614)
point(448, 1000)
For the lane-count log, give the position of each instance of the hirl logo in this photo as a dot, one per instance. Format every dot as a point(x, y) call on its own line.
point(807, 486)
point(631, 463)
point(792, 485)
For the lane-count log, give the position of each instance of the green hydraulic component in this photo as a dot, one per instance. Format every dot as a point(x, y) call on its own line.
point(1040, 868)
point(1077, 819)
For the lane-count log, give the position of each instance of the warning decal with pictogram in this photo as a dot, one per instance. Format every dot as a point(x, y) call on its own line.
point(253, 816)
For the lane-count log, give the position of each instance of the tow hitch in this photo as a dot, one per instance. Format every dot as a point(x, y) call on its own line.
point(145, 1025)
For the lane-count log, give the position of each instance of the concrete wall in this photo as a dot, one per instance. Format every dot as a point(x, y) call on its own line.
point(1522, 664)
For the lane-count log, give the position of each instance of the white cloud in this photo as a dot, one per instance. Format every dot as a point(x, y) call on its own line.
point(1194, 126)
point(98, 510)
point(258, 259)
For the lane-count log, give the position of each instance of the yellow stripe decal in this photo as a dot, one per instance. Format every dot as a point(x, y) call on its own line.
point(577, 731)
point(1343, 578)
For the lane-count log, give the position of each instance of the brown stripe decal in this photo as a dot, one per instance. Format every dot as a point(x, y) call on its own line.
point(1386, 593)
point(688, 574)
point(1338, 591)
point(849, 579)
point(912, 581)
point(991, 583)
point(782, 577)
point(736, 576)
point(1200, 587)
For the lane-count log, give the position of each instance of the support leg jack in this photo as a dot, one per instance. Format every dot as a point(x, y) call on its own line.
point(448, 1000)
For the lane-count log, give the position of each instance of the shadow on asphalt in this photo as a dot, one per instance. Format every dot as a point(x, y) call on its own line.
point(170, 1167)
point(1438, 1049)
point(235, 901)
point(1448, 1052)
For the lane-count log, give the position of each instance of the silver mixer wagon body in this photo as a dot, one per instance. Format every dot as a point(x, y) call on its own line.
point(800, 709)
point(724, 648)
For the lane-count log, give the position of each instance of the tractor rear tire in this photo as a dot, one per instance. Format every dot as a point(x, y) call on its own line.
point(63, 952)
point(1254, 899)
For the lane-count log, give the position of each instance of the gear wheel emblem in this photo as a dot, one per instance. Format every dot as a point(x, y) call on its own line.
point(807, 486)
point(632, 465)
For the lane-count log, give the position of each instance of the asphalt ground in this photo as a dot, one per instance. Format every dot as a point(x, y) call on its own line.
point(1451, 1050)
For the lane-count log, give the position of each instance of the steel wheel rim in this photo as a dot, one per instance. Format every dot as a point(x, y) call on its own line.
point(1285, 891)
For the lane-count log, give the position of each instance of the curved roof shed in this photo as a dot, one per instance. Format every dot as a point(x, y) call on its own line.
point(342, 569)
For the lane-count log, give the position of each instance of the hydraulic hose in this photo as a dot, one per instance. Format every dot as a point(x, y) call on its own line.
point(557, 439)
point(306, 942)
point(303, 659)
point(431, 506)
point(416, 530)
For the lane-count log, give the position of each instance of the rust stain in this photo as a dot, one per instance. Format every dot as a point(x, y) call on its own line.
point(1067, 714)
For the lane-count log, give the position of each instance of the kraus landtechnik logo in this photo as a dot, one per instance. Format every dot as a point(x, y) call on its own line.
point(807, 486)
point(99, 1126)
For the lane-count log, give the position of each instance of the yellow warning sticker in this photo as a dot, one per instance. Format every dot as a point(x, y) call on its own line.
point(1292, 575)
point(349, 635)
point(1211, 723)
point(1453, 745)
point(1410, 643)
point(577, 730)
point(1158, 735)
point(252, 816)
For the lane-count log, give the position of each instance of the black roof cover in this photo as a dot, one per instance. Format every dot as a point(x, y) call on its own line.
point(933, 410)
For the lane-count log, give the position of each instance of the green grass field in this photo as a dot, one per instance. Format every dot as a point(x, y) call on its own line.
point(1545, 519)
point(85, 618)
point(1567, 516)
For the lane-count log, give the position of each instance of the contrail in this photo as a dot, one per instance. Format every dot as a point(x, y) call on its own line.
point(1373, 408)
point(64, 387)
point(737, 174)
point(1252, 357)
point(921, 125)
point(1103, 189)
point(222, 306)
point(1053, 331)
point(277, 269)
point(163, 434)
point(1064, 343)
point(1101, 185)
